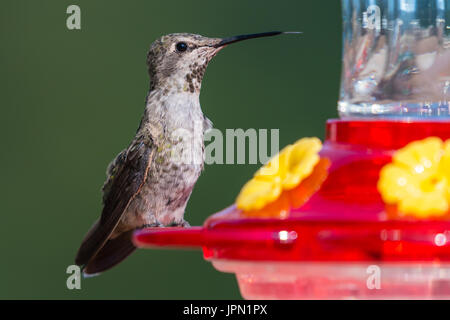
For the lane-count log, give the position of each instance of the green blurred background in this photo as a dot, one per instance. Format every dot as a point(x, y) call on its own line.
point(71, 100)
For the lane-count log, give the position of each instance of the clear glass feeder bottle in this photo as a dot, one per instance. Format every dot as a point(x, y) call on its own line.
point(396, 59)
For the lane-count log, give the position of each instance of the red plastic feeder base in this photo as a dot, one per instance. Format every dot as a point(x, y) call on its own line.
point(340, 243)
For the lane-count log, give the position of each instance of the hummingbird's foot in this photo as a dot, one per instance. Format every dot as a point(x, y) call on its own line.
point(182, 223)
point(152, 225)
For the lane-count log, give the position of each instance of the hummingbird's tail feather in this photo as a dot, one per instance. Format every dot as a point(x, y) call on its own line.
point(112, 253)
point(87, 250)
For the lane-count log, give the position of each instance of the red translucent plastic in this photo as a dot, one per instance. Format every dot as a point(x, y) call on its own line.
point(344, 221)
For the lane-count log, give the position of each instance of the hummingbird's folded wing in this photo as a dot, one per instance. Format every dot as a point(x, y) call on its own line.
point(111, 172)
point(123, 188)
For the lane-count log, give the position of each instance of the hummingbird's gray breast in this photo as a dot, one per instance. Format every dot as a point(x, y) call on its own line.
point(177, 128)
point(178, 166)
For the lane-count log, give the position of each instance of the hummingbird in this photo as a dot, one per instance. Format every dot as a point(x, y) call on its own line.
point(148, 184)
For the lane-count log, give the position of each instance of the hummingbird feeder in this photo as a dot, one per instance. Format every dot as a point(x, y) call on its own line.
point(366, 215)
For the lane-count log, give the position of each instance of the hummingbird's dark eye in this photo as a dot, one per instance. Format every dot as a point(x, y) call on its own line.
point(181, 46)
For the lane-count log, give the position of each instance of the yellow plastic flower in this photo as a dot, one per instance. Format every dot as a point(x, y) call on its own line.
point(283, 172)
point(257, 193)
point(445, 166)
point(418, 179)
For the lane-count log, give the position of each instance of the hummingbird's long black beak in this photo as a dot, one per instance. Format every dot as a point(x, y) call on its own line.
point(234, 39)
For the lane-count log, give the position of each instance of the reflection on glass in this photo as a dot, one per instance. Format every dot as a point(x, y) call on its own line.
point(396, 58)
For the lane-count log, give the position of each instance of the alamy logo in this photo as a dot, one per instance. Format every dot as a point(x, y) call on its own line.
point(74, 280)
point(236, 146)
point(374, 279)
point(73, 21)
point(372, 18)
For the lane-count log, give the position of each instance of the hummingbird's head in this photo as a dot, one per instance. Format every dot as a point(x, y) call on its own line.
point(178, 61)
